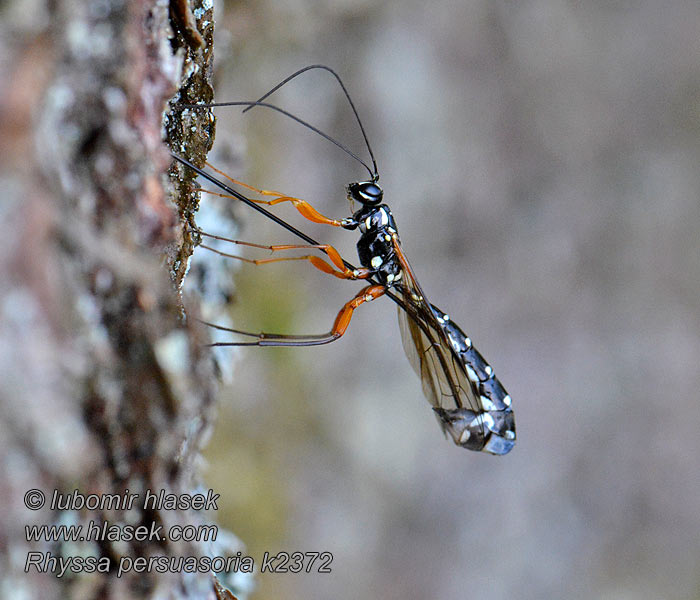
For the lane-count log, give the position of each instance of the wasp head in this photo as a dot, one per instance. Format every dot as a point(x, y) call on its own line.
point(366, 193)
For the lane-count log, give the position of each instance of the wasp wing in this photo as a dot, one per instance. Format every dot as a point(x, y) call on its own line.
point(469, 401)
point(428, 348)
point(442, 373)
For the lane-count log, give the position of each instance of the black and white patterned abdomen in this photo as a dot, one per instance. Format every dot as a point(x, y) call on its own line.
point(487, 422)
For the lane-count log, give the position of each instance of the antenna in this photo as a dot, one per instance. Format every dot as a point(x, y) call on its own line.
point(375, 175)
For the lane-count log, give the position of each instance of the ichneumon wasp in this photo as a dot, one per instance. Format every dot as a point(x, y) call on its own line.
point(468, 399)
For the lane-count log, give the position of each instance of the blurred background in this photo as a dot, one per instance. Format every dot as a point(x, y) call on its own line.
point(541, 159)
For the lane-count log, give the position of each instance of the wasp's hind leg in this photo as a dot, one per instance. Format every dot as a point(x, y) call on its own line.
point(342, 321)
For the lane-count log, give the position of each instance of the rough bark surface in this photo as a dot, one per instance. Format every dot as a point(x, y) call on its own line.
point(104, 385)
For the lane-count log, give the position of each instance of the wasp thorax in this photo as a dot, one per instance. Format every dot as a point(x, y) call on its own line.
point(367, 193)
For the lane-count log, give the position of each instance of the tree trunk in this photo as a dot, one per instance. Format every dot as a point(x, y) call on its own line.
point(105, 386)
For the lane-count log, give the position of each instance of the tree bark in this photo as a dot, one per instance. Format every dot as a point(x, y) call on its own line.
point(104, 384)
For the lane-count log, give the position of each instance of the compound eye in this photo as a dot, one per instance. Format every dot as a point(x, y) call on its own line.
point(366, 192)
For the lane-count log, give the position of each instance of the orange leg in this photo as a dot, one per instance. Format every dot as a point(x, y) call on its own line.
point(341, 271)
point(305, 209)
point(367, 294)
point(342, 321)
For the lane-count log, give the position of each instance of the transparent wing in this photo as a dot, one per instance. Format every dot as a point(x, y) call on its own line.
point(441, 371)
point(469, 401)
point(429, 350)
